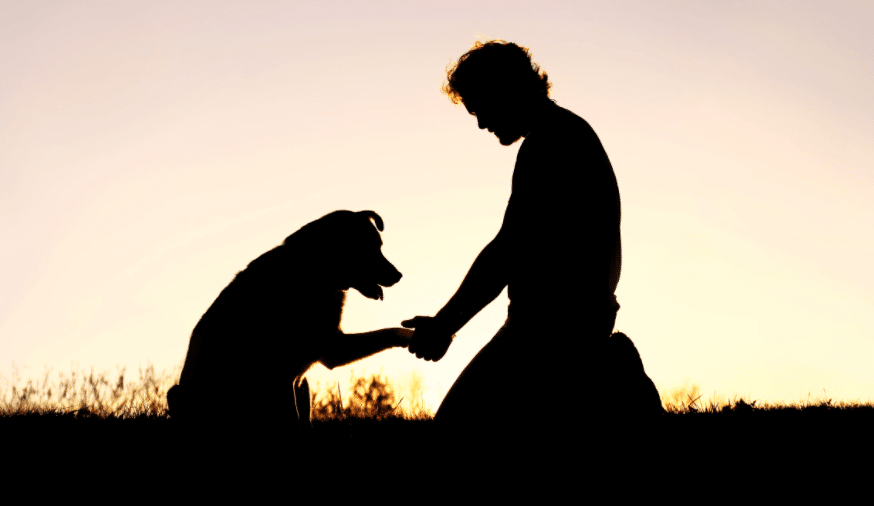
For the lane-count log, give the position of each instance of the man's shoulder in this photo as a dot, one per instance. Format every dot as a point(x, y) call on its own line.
point(565, 121)
point(560, 124)
point(559, 130)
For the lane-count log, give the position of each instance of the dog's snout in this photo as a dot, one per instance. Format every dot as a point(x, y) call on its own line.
point(393, 275)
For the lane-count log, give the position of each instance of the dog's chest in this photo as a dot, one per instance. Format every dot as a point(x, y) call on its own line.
point(315, 325)
point(317, 314)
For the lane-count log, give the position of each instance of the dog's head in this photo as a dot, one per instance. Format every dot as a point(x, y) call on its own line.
point(349, 247)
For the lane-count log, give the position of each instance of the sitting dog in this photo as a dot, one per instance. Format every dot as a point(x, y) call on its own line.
point(281, 315)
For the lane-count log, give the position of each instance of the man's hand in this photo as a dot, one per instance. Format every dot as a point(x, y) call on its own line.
point(429, 340)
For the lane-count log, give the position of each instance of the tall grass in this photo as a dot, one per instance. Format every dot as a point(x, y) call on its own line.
point(687, 399)
point(106, 395)
point(84, 393)
point(372, 397)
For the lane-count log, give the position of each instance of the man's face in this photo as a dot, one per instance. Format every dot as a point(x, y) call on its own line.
point(498, 116)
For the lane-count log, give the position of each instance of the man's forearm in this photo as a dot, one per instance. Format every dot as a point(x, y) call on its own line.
point(483, 283)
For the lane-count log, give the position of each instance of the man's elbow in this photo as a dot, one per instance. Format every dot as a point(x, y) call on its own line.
point(499, 262)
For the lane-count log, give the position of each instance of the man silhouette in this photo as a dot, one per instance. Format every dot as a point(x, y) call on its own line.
point(558, 252)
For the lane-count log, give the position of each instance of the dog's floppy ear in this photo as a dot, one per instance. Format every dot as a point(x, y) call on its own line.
point(376, 219)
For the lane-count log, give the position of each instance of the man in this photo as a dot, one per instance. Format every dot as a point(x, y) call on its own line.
point(558, 252)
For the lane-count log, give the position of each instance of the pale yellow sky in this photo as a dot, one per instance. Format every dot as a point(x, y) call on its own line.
point(150, 150)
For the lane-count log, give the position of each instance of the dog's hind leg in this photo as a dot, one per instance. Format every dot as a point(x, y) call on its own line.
point(302, 403)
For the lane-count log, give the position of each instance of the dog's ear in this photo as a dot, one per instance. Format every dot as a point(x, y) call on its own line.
point(376, 219)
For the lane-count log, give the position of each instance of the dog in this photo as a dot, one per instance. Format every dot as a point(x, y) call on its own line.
point(280, 316)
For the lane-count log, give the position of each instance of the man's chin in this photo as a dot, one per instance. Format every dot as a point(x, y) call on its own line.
point(507, 140)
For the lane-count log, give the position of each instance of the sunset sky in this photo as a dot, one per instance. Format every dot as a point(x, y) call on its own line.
point(150, 150)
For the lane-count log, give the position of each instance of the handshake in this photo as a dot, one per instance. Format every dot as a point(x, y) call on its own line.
point(429, 340)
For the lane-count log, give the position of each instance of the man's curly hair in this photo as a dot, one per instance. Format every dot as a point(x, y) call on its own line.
point(492, 63)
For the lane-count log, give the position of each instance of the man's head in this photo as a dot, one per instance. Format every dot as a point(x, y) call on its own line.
point(499, 84)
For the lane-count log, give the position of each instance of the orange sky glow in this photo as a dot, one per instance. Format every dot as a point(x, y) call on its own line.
point(150, 150)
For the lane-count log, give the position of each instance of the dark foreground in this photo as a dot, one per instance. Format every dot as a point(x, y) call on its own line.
point(812, 439)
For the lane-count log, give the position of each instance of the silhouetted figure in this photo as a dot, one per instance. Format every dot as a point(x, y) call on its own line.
point(558, 252)
point(635, 393)
point(244, 370)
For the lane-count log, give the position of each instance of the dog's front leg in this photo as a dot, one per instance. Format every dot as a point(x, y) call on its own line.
point(302, 403)
point(345, 349)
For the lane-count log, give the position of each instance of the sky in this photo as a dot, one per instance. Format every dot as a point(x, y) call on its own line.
point(150, 150)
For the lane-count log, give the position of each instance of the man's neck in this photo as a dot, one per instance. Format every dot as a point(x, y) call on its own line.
point(538, 112)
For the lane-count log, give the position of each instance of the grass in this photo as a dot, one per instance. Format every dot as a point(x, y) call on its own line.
point(88, 394)
point(84, 418)
point(102, 395)
point(687, 399)
point(98, 415)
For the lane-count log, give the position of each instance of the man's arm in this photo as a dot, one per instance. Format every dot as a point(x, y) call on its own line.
point(485, 280)
point(483, 283)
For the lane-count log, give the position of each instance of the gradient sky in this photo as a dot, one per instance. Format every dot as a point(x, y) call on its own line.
point(150, 150)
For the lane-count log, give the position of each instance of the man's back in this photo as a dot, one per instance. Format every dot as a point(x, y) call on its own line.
point(563, 220)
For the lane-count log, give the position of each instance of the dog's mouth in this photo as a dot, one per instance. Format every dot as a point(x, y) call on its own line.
point(372, 287)
point(371, 291)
